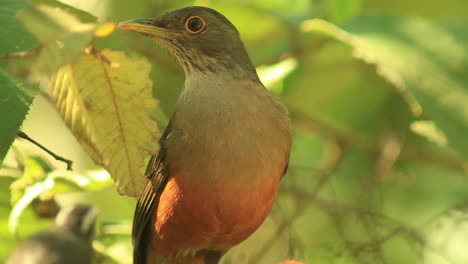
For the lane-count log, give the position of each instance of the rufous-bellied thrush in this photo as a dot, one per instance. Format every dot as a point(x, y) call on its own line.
point(223, 153)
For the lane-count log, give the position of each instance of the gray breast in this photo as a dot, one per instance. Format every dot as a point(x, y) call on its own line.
point(232, 127)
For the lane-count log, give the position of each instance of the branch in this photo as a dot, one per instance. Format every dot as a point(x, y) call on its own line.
point(372, 146)
point(20, 54)
point(334, 156)
point(69, 163)
point(335, 208)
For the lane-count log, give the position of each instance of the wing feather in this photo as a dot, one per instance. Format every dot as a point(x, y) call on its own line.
point(158, 175)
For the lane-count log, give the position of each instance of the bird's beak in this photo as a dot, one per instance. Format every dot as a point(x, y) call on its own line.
point(146, 27)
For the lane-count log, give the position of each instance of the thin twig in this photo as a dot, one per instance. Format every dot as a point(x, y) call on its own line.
point(69, 163)
point(332, 162)
point(91, 49)
point(20, 54)
point(335, 207)
point(371, 145)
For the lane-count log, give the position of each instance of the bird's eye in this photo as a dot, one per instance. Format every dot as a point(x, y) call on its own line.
point(195, 24)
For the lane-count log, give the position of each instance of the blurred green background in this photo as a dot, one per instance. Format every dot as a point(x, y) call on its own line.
point(378, 95)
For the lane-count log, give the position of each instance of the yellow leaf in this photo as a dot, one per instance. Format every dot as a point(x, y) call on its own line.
point(106, 100)
point(105, 29)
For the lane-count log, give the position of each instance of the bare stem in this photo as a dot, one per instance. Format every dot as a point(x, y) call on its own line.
point(332, 160)
point(69, 163)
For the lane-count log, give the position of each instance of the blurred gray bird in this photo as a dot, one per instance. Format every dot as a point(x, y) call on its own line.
point(69, 241)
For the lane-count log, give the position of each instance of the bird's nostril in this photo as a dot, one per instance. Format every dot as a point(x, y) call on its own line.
point(146, 21)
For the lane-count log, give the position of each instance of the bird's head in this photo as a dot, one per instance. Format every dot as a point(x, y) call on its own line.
point(199, 38)
point(78, 219)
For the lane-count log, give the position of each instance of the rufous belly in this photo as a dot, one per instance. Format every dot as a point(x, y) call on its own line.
point(193, 217)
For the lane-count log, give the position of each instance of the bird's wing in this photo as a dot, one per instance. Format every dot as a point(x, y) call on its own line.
point(158, 175)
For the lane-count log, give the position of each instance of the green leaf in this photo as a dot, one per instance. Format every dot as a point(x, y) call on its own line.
point(16, 96)
point(16, 100)
point(31, 193)
point(106, 100)
point(328, 82)
point(33, 184)
point(60, 30)
point(72, 11)
point(14, 36)
point(342, 10)
point(290, 11)
point(30, 223)
point(426, 72)
point(449, 10)
point(63, 31)
point(35, 170)
point(64, 182)
point(268, 38)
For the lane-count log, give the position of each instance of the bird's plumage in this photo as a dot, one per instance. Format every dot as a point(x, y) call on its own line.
point(158, 175)
point(56, 246)
point(223, 153)
point(67, 242)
